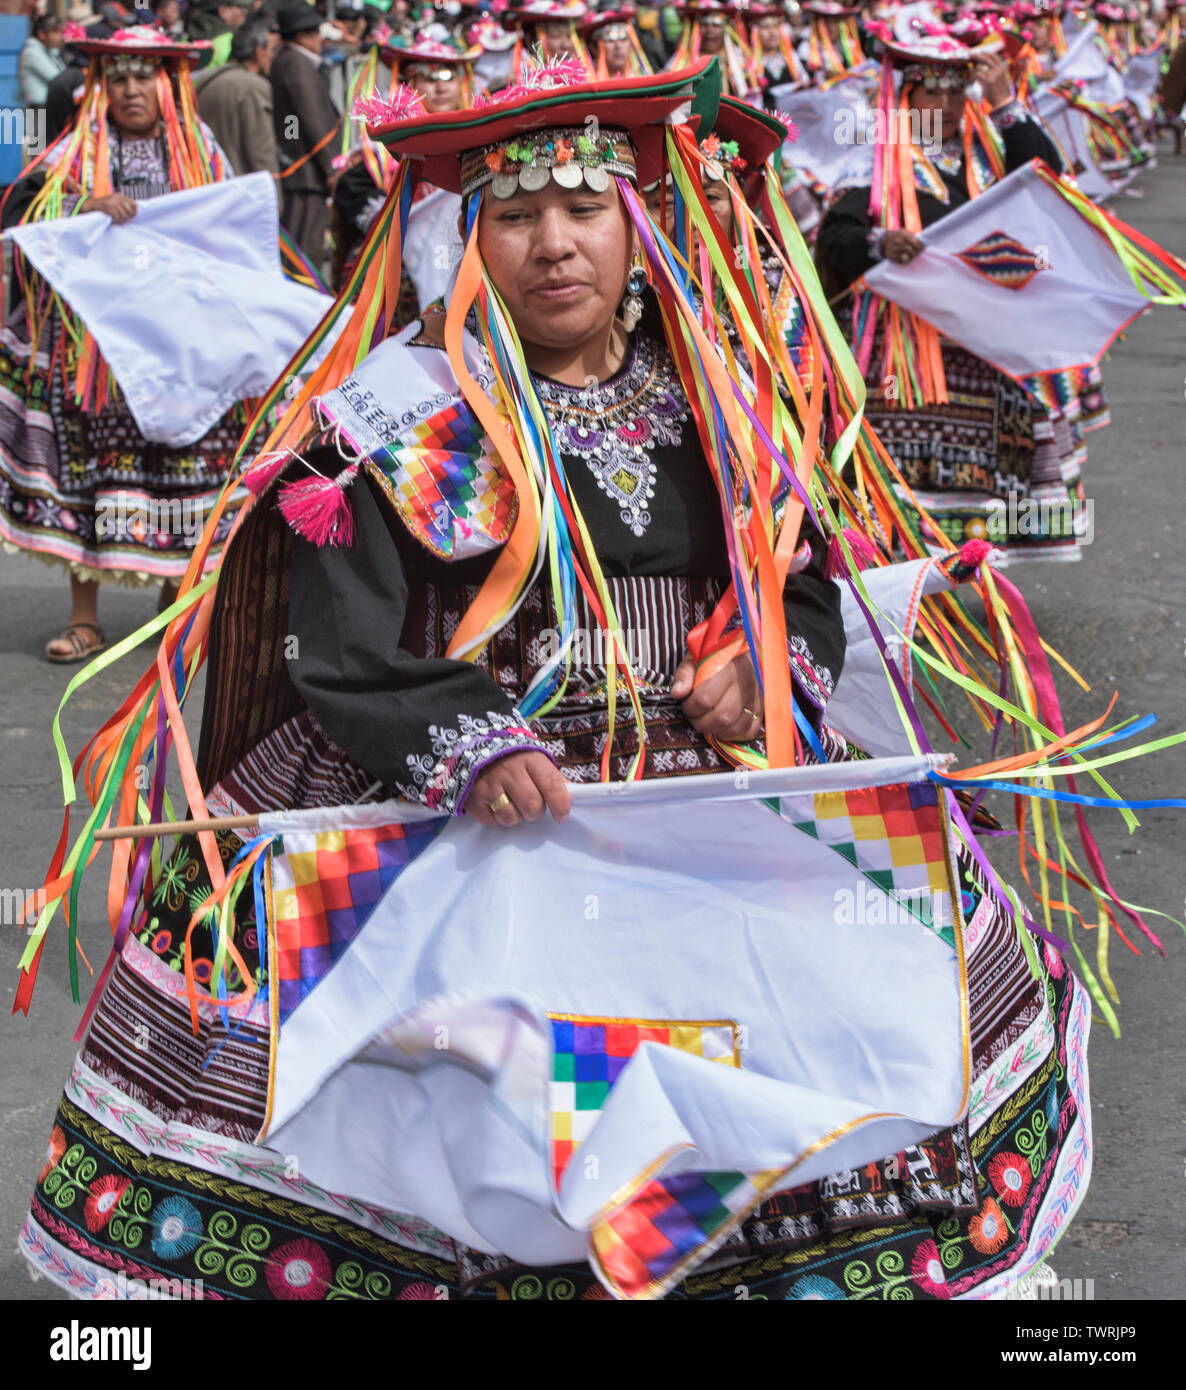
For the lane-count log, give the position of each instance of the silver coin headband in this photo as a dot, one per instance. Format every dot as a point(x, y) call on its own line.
point(568, 157)
point(435, 72)
point(137, 64)
point(944, 79)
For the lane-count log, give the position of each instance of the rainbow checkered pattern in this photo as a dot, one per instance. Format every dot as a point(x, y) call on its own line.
point(895, 836)
point(325, 885)
point(451, 493)
point(641, 1247)
point(1002, 260)
point(588, 1055)
point(642, 1244)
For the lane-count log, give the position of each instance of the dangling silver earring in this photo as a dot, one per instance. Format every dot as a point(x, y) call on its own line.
point(632, 305)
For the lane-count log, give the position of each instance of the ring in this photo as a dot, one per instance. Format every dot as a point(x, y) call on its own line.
point(500, 803)
point(745, 709)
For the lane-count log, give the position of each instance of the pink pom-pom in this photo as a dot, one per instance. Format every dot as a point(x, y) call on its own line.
point(974, 553)
point(260, 474)
point(792, 129)
point(864, 554)
point(318, 509)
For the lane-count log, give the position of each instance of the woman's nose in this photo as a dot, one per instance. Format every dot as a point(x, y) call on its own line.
point(553, 239)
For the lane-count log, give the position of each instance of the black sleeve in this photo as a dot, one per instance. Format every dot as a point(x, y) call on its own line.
point(815, 627)
point(423, 727)
point(21, 195)
point(1024, 139)
point(842, 243)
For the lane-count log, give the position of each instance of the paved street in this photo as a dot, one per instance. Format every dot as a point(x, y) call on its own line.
point(1119, 616)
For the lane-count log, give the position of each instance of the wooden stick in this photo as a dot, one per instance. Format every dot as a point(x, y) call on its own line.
point(176, 827)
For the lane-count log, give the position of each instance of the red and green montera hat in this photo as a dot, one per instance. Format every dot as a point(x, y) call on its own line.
point(123, 47)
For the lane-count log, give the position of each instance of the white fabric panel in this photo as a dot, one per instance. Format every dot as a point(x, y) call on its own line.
point(187, 301)
point(1082, 296)
point(428, 1043)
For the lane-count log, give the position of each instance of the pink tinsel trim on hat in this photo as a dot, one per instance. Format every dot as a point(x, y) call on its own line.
point(404, 103)
point(561, 72)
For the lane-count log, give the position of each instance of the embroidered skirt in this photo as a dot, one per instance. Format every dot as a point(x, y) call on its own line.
point(994, 463)
point(86, 490)
point(153, 1173)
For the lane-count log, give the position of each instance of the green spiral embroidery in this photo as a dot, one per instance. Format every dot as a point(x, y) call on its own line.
point(131, 1211)
point(68, 1180)
point(352, 1281)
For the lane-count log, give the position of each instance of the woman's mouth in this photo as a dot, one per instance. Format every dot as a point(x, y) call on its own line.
point(561, 292)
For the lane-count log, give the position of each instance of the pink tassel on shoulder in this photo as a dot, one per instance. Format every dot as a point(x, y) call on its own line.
point(262, 472)
point(318, 509)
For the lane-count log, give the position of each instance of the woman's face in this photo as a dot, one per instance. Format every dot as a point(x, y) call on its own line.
point(769, 35)
point(558, 40)
point(946, 102)
point(653, 197)
point(439, 87)
point(712, 35)
point(132, 102)
point(1041, 34)
point(559, 258)
point(716, 195)
point(617, 54)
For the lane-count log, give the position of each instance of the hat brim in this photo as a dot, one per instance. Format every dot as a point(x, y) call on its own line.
point(391, 55)
point(637, 105)
point(903, 55)
point(603, 19)
point(198, 53)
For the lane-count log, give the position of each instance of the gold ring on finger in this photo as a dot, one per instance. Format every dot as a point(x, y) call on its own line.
point(500, 803)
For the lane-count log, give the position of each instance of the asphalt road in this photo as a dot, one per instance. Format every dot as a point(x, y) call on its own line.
point(1119, 616)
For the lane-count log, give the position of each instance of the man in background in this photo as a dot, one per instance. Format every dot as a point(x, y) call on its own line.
point(235, 100)
point(305, 120)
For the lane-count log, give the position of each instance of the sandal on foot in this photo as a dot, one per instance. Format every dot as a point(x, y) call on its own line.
point(80, 648)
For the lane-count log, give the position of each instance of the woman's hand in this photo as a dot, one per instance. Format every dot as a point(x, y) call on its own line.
point(118, 207)
point(901, 247)
point(992, 72)
point(518, 787)
point(728, 705)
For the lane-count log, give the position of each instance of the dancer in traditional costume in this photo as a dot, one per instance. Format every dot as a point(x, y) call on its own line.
point(991, 440)
point(549, 30)
point(736, 153)
point(611, 37)
point(712, 29)
point(443, 75)
point(79, 485)
point(833, 39)
point(775, 61)
point(491, 496)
